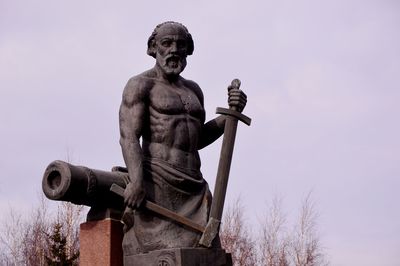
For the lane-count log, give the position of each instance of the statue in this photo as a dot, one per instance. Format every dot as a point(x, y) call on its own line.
point(167, 112)
point(160, 196)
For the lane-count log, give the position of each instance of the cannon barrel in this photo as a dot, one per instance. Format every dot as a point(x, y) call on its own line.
point(83, 186)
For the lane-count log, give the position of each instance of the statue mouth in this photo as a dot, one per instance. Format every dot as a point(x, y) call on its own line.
point(173, 61)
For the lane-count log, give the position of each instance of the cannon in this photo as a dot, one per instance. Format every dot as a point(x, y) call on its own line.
point(84, 186)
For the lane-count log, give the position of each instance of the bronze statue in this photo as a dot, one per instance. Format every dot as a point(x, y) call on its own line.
point(166, 204)
point(166, 112)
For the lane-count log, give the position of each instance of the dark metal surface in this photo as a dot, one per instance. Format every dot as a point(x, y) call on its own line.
point(162, 211)
point(221, 183)
point(81, 185)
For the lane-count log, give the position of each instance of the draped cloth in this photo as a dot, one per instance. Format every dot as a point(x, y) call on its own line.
point(181, 190)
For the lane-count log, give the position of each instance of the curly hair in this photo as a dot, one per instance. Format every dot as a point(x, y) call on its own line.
point(150, 42)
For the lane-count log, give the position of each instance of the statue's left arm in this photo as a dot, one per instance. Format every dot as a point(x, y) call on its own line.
point(214, 128)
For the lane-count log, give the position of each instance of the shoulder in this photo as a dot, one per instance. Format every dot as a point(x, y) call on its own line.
point(137, 88)
point(194, 87)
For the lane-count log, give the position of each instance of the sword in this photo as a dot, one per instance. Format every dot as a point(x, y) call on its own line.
point(221, 183)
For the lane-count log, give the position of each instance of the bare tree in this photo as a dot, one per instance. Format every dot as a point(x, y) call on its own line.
point(25, 240)
point(34, 243)
point(236, 237)
point(274, 241)
point(11, 237)
point(305, 243)
point(70, 216)
point(300, 246)
point(24, 243)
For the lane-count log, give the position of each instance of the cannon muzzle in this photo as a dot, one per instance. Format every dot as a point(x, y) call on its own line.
point(84, 186)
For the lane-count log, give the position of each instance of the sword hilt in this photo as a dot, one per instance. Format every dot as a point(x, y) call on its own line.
point(233, 110)
point(235, 84)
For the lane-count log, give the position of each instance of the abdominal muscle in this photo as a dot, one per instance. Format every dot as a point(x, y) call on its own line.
point(174, 139)
point(172, 156)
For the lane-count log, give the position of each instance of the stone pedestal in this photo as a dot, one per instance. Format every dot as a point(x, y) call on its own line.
point(181, 257)
point(101, 243)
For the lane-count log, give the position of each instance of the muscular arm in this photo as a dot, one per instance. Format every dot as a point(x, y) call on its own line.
point(131, 119)
point(211, 131)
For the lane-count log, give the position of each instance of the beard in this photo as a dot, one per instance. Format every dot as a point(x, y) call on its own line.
point(171, 64)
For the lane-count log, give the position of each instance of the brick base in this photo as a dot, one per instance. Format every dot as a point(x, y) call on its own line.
point(101, 243)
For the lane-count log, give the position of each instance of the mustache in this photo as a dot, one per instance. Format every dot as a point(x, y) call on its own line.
point(176, 59)
point(173, 57)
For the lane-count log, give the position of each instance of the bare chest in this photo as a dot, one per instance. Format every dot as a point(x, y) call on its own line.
point(175, 101)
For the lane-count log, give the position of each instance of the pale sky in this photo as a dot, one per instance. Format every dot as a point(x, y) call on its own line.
point(322, 79)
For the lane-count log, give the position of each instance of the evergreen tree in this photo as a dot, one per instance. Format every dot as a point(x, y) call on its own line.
point(59, 253)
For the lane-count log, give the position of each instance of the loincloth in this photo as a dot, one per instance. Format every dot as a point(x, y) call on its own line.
point(180, 190)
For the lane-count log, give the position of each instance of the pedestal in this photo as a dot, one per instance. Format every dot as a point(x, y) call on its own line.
point(181, 257)
point(101, 243)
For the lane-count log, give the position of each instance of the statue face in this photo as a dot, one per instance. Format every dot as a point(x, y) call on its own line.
point(171, 49)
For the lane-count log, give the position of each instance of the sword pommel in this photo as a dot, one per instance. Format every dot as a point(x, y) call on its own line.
point(235, 84)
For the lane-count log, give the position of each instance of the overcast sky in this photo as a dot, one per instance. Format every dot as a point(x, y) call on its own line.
point(322, 79)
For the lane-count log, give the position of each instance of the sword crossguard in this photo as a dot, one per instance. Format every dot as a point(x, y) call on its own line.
point(234, 113)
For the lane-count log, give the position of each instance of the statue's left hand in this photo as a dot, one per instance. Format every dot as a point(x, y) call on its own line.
point(236, 98)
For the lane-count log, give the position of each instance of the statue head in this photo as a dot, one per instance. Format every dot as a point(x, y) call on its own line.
point(170, 44)
point(177, 25)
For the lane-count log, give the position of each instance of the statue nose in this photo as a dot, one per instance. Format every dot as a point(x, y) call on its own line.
point(174, 47)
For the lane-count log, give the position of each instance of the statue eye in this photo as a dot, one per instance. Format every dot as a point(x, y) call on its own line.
point(166, 43)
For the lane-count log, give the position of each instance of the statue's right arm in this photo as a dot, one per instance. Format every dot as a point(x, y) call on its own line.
point(131, 119)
